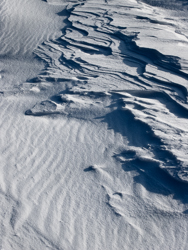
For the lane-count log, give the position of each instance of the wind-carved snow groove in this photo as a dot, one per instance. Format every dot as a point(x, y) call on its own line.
point(106, 105)
point(100, 159)
point(150, 126)
point(97, 75)
point(154, 129)
point(95, 50)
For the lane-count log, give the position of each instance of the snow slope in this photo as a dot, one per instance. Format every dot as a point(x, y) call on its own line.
point(93, 100)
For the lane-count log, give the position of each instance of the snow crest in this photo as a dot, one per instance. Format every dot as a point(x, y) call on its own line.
point(94, 147)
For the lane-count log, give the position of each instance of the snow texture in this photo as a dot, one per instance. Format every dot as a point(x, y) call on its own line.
point(93, 124)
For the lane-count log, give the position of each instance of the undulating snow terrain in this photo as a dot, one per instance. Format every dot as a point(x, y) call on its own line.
point(93, 125)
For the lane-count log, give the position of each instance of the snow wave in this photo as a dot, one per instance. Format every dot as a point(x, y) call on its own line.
point(115, 47)
point(94, 148)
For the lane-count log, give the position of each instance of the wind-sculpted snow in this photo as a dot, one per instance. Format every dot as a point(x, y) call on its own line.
point(115, 47)
point(169, 4)
point(94, 148)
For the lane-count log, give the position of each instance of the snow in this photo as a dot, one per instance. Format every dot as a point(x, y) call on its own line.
point(93, 125)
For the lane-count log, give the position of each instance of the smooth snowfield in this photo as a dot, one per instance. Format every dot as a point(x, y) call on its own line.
point(93, 125)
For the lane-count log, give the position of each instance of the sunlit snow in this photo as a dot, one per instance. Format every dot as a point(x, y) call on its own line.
point(93, 124)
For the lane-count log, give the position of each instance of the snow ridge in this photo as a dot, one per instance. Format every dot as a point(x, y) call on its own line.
point(94, 147)
point(101, 49)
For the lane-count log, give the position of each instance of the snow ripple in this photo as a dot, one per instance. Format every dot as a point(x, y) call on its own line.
point(102, 49)
point(99, 159)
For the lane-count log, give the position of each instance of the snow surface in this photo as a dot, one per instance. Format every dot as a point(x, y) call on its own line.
point(93, 125)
